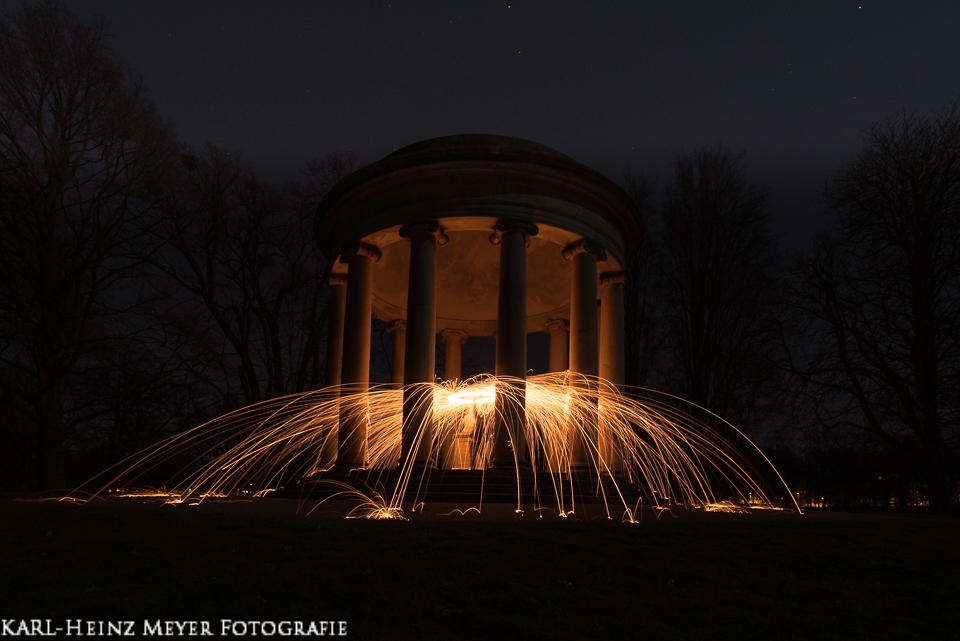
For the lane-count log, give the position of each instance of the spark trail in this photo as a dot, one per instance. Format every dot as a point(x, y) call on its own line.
point(572, 424)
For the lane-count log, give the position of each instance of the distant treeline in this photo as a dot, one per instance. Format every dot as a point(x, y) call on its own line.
point(147, 287)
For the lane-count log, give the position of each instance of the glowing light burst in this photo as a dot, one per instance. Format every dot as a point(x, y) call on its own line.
point(476, 394)
point(573, 424)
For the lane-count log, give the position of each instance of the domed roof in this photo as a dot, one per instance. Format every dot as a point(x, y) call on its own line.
point(477, 140)
point(480, 177)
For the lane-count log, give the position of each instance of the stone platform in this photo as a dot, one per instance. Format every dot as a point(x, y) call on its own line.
point(471, 486)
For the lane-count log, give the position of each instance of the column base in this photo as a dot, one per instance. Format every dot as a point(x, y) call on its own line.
point(416, 471)
point(509, 464)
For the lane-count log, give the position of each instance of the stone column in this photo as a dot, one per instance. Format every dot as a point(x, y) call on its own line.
point(584, 345)
point(338, 302)
point(399, 330)
point(452, 339)
point(509, 445)
point(558, 330)
point(551, 450)
point(612, 366)
point(355, 370)
point(421, 343)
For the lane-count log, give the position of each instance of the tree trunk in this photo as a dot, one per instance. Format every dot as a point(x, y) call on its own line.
point(938, 482)
point(49, 407)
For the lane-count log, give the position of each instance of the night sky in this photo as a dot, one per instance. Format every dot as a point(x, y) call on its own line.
point(614, 85)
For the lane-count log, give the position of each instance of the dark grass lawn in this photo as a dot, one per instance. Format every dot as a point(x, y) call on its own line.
point(699, 576)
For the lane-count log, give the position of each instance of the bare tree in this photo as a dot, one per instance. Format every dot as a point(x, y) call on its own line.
point(323, 173)
point(136, 396)
point(878, 298)
point(717, 288)
point(245, 279)
point(81, 154)
point(643, 337)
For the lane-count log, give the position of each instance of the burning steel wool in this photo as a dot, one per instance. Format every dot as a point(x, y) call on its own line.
point(571, 424)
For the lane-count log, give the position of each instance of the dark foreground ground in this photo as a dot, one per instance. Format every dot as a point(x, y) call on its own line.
point(695, 576)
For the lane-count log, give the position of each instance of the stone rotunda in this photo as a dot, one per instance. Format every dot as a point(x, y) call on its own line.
point(473, 235)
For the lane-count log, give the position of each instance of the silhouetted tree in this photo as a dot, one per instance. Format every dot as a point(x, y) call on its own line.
point(245, 279)
point(643, 337)
point(130, 396)
point(81, 153)
point(717, 289)
point(878, 298)
point(323, 173)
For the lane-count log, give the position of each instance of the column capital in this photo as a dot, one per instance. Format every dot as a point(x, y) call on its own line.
point(361, 249)
point(504, 226)
point(555, 325)
point(430, 227)
point(395, 325)
point(584, 246)
point(338, 279)
point(459, 335)
point(612, 278)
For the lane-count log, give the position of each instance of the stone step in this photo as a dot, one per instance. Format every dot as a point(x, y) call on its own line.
point(470, 486)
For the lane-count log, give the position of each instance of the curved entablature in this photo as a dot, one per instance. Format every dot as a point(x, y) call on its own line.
point(478, 176)
point(467, 271)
